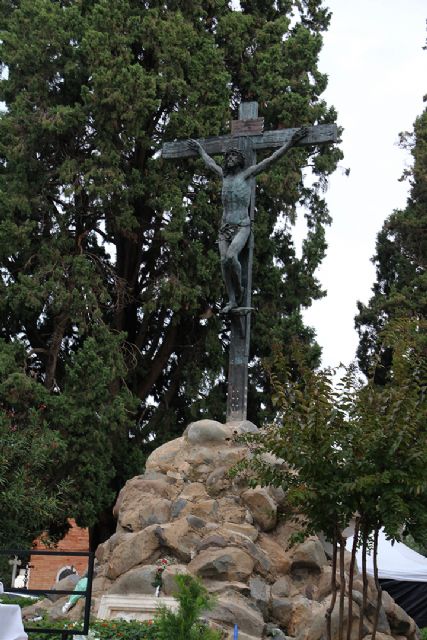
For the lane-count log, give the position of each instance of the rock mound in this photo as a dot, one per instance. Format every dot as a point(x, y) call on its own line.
point(185, 507)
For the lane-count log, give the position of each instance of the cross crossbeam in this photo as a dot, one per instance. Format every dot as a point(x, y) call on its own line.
point(319, 134)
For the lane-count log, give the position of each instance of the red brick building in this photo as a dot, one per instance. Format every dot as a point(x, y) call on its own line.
point(46, 570)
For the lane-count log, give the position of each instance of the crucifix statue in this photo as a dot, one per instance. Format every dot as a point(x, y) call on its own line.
point(236, 197)
point(235, 234)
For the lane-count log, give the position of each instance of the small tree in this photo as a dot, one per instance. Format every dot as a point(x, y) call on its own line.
point(356, 453)
point(185, 624)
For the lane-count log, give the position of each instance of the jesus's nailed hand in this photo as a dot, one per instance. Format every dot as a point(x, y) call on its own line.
point(300, 134)
point(194, 145)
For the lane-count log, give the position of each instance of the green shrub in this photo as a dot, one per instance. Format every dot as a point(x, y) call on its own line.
point(47, 623)
point(123, 630)
point(19, 600)
point(99, 629)
point(185, 624)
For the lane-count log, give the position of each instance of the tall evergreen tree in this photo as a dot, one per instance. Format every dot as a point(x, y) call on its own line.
point(401, 264)
point(109, 271)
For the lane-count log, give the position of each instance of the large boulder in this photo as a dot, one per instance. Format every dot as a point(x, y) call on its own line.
point(194, 492)
point(240, 531)
point(207, 431)
point(309, 555)
point(229, 563)
point(262, 506)
point(278, 556)
point(137, 549)
point(281, 610)
point(400, 622)
point(139, 486)
point(138, 580)
point(179, 538)
point(232, 609)
point(260, 592)
point(40, 608)
point(218, 481)
point(304, 611)
point(281, 588)
point(383, 625)
point(230, 509)
point(162, 459)
point(148, 510)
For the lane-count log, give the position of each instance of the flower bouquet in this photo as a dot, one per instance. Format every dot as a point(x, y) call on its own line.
point(162, 563)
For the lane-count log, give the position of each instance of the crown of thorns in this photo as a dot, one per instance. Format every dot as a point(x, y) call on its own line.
point(236, 151)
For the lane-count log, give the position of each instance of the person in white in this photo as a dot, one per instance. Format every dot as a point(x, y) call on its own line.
point(11, 627)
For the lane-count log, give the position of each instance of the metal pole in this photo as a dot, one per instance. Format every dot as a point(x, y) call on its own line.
point(88, 602)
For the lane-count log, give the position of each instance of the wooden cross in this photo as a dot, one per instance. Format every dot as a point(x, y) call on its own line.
point(248, 136)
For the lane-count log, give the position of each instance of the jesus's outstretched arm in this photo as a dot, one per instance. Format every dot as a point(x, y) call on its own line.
point(209, 162)
point(255, 169)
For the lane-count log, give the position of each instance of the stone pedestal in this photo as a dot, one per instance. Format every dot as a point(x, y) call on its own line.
point(186, 507)
point(133, 607)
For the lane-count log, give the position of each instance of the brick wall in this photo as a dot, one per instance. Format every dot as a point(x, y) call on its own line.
point(45, 568)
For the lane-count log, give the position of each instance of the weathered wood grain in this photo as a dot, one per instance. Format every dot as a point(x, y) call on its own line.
point(255, 127)
point(319, 134)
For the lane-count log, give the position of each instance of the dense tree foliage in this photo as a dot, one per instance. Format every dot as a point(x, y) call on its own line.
point(29, 453)
point(401, 262)
point(109, 271)
point(61, 449)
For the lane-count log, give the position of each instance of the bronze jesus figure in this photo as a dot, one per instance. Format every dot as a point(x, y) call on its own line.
point(236, 223)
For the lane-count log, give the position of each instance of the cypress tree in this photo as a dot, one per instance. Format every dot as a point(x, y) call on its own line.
point(109, 270)
point(400, 290)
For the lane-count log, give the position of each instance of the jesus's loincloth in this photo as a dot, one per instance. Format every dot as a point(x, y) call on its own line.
point(228, 231)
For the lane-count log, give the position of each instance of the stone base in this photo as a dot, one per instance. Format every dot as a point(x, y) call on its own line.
point(188, 509)
point(133, 607)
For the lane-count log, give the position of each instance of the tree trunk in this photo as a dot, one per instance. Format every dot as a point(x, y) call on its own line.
point(365, 583)
point(159, 361)
point(330, 609)
point(342, 589)
point(378, 586)
point(60, 324)
point(350, 578)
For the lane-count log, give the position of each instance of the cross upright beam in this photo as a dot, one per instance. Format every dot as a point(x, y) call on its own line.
point(248, 136)
point(237, 391)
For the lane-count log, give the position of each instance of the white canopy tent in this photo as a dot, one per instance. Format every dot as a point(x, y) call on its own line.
point(402, 572)
point(395, 561)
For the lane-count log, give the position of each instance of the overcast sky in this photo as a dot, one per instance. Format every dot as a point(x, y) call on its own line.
point(377, 78)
